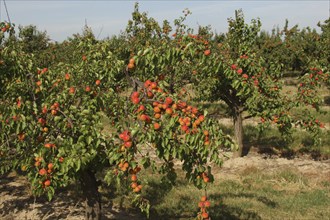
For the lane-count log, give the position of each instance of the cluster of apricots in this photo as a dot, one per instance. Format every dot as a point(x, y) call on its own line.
point(163, 105)
point(203, 204)
point(204, 176)
point(134, 180)
point(131, 64)
point(67, 77)
point(44, 172)
point(125, 136)
point(125, 167)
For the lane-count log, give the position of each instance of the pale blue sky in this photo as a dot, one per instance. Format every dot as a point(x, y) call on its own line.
point(61, 19)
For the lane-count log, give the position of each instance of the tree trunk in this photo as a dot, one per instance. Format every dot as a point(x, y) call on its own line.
point(238, 131)
point(91, 195)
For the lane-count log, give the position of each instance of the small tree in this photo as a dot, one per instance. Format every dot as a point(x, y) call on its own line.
point(235, 73)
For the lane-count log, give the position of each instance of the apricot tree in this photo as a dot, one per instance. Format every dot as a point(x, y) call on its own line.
point(233, 71)
point(53, 125)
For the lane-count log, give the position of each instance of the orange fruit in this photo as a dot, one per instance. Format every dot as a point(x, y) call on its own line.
point(130, 66)
point(128, 144)
point(50, 166)
point(203, 198)
point(205, 215)
point(47, 183)
point(72, 90)
point(207, 52)
point(134, 185)
point(42, 172)
point(54, 112)
point(207, 204)
point(156, 109)
point(206, 179)
point(156, 126)
point(134, 178)
point(169, 111)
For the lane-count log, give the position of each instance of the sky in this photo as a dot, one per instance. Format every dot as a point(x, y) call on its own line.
point(63, 18)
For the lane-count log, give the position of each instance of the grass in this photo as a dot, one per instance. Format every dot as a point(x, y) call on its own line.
point(254, 194)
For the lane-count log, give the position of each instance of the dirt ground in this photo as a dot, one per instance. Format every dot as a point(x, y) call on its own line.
point(17, 203)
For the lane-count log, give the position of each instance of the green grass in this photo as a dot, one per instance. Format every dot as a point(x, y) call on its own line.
point(254, 194)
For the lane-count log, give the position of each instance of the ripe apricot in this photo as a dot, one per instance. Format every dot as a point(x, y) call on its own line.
point(72, 90)
point(207, 52)
point(169, 111)
point(126, 165)
point(136, 189)
point(157, 116)
point(44, 110)
point(153, 85)
point(156, 126)
point(135, 100)
point(147, 83)
point(141, 108)
point(42, 172)
point(130, 66)
point(184, 128)
point(134, 185)
point(135, 94)
point(205, 215)
point(163, 106)
point(50, 166)
point(134, 178)
point(156, 109)
point(128, 144)
point(54, 112)
point(150, 94)
point(203, 198)
point(98, 82)
point(47, 183)
point(206, 179)
point(207, 203)
point(168, 101)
